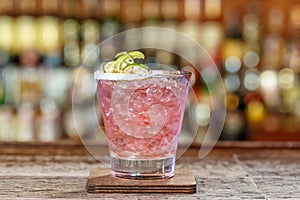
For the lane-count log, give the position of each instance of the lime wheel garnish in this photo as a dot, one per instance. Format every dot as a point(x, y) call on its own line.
point(125, 63)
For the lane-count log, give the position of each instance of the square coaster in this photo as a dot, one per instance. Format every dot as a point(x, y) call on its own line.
point(101, 181)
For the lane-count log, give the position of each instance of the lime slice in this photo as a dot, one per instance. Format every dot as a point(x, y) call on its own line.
point(128, 68)
point(120, 54)
point(137, 55)
point(107, 67)
point(124, 63)
point(126, 58)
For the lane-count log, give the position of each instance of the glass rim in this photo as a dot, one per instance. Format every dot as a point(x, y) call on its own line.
point(100, 75)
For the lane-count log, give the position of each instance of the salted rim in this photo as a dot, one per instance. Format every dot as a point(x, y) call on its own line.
point(100, 75)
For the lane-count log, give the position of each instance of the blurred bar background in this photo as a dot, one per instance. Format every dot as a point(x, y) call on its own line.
point(255, 44)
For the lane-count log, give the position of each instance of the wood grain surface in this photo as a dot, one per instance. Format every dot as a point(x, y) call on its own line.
point(231, 171)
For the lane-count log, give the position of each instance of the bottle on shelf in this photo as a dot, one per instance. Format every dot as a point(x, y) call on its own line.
point(7, 123)
point(49, 117)
point(30, 79)
point(292, 54)
point(71, 51)
point(191, 25)
point(12, 80)
point(49, 34)
point(273, 44)
point(6, 39)
point(131, 12)
point(71, 33)
point(110, 25)
point(90, 31)
point(212, 33)
point(231, 61)
point(289, 76)
point(26, 126)
point(151, 12)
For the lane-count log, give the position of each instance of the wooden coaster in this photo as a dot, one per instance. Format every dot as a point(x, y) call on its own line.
point(101, 181)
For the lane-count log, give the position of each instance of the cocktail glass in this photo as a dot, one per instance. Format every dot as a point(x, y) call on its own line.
point(142, 115)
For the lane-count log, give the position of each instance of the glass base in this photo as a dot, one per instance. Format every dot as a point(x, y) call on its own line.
point(143, 168)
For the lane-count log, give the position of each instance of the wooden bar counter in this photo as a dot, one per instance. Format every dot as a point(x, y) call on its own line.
point(233, 170)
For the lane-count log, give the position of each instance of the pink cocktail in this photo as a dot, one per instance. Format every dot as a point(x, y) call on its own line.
point(142, 115)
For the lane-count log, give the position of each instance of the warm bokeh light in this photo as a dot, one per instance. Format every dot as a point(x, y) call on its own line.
point(203, 114)
point(25, 33)
point(254, 44)
point(255, 111)
point(251, 80)
point(268, 80)
point(6, 32)
point(286, 78)
point(232, 82)
point(251, 59)
point(232, 64)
